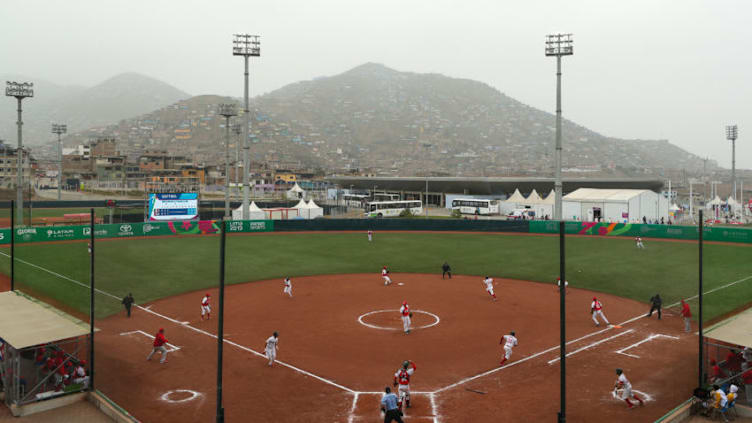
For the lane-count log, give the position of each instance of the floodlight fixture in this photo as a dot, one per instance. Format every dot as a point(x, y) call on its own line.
point(19, 90)
point(246, 45)
point(559, 45)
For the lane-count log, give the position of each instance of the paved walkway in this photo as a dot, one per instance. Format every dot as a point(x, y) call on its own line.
point(81, 411)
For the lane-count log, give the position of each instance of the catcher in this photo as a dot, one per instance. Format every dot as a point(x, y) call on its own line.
point(406, 316)
point(402, 382)
point(622, 384)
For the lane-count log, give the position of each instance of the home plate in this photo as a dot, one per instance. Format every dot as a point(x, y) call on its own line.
point(400, 283)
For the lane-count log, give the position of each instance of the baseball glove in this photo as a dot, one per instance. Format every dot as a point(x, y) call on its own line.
point(411, 314)
point(395, 383)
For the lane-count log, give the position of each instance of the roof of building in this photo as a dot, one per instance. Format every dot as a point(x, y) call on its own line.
point(734, 330)
point(603, 195)
point(25, 322)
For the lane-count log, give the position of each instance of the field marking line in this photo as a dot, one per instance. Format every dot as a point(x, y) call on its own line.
point(649, 338)
point(588, 346)
point(351, 416)
point(173, 348)
point(360, 319)
point(434, 409)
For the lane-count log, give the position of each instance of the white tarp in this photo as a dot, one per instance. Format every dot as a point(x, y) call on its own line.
point(26, 323)
point(254, 213)
point(734, 330)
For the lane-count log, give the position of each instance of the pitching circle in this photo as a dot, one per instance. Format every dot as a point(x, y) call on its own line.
point(432, 324)
point(192, 395)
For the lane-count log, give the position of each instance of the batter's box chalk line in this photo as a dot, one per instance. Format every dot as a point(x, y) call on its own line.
point(636, 344)
point(618, 394)
point(433, 418)
point(170, 347)
point(372, 326)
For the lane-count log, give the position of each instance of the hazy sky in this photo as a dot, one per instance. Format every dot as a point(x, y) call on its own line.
point(641, 68)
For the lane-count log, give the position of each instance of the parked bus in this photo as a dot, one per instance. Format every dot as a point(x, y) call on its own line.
point(355, 200)
point(392, 208)
point(475, 206)
point(385, 197)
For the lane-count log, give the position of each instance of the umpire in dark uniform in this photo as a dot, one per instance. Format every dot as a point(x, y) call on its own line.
point(656, 303)
point(446, 270)
point(390, 408)
point(128, 302)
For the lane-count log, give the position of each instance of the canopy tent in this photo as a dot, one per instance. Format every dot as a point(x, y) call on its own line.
point(714, 202)
point(25, 323)
point(314, 210)
point(734, 330)
point(301, 204)
point(550, 198)
point(533, 198)
point(516, 197)
point(674, 208)
point(295, 192)
point(254, 213)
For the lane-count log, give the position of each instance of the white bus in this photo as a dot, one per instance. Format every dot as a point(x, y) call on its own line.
point(392, 208)
point(354, 200)
point(476, 206)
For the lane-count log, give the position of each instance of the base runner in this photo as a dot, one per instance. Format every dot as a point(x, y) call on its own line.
point(288, 287)
point(272, 345)
point(489, 287)
point(622, 383)
point(205, 307)
point(596, 308)
point(385, 275)
point(509, 341)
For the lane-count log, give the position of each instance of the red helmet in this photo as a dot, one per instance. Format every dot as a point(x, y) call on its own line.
point(82, 362)
point(207, 294)
point(161, 329)
point(404, 302)
point(594, 299)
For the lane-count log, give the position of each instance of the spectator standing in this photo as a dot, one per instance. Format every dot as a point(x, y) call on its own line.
point(656, 302)
point(127, 303)
point(687, 314)
point(389, 407)
point(747, 379)
point(716, 374)
point(446, 270)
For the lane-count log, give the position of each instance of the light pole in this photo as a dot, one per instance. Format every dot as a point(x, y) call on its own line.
point(558, 45)
point(247, 46)
point(59, 129)
point(228, 111)
point(731, 134)
point(426, 196)
point(373, 193)
point(19, 90)
point(238, 131)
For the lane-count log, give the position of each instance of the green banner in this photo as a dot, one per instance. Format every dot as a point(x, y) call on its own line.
point(126, 230)
point(710, 233)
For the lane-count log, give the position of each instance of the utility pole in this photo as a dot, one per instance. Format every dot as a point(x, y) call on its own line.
point(59, 130)
point(558, 45)
point(238, 131)
point(228, 111)
point(731, 134)
point(247, 46)
point(19, 90)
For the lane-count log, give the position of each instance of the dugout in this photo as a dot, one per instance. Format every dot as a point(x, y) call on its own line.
point(728, 354)
point(42, 355)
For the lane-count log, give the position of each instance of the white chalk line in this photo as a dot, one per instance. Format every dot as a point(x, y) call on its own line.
point(172, 348)
point(588, 346)
point(360, 319)
point(649, 338)
point(433, 393)
point(193, 395)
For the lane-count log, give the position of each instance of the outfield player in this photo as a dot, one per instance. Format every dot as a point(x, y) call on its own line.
point(489, 287)
point(596, 308)
point(638, 240)
point(558, 284)
point(402, 381)
point(623, 383)
point(370, 235)
point(509, 341)
point(205, 307)
point(288, 287)
point(272, 345)
point(159, 345)
point(406, 314)
point(385, 275)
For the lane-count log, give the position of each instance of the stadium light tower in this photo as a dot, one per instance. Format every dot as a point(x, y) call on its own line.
point(19, 90)
point(558, 45)
point(228, 111)
point(731, 133)
point(238, 131)
point(59, 129)
point(247, 46)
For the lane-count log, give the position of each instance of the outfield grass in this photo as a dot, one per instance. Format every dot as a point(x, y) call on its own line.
point(56, 212)
point(156, 268)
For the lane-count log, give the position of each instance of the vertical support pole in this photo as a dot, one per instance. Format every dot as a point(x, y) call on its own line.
point(12, 246)
point(557, 182)
point(91, 305)
point(19, 166)
point(562, 326)
point(246, 147)
point(220, 328)
point(701, 364)
point(59, 168)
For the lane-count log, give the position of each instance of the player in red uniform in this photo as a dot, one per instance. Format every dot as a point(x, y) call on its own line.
point(159, 345)
point(402, 381)
point(205, 307)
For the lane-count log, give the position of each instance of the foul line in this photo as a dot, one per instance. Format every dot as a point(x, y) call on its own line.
point(173, 348)
point(649, 338)
point(591, 345)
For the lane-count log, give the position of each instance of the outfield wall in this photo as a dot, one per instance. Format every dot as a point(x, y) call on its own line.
point(403, 225)
point(710, 233)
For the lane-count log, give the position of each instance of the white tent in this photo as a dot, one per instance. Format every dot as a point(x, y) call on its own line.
point(295, 192)
point(533, 198)
point(614, 205)
point(734, 205)
point(714, 202)
point(516, 197)
point(314, 210)
point(301, 205)
point(551, 198)
point(254, 213)
point(674, 208)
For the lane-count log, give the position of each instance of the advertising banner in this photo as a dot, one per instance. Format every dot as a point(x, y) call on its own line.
point(166, 207)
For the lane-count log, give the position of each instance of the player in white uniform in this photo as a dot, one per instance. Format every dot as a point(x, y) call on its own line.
point(638, 240)
point(205, 307)
point(597, 309)
point(489, 287)
point(288, 287)
point(272, 345)
point(558, 283)
point(402, 381)
point(385, 275)
point(509, 341)
point(623, 383)
point(406, 314)
point(370, 235)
